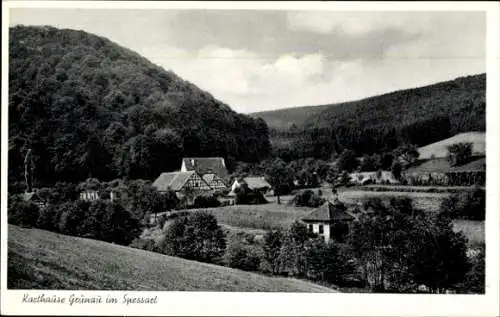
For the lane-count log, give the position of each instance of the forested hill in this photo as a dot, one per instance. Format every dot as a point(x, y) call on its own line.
point(421, 116)
point(89, 107)
point(403, 104)
point(283, 119)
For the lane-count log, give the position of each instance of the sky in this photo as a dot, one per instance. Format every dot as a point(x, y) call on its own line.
point(264, 60)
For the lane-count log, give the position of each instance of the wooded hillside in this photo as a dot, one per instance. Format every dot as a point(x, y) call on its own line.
point(419, 116)
point(89, 107)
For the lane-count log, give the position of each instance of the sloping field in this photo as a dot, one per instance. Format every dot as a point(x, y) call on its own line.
point(266, 216)
point(439, 149)
point(425, 201)
point(40, 259)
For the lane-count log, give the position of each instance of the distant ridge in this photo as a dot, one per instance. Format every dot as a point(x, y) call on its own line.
point(460, 89)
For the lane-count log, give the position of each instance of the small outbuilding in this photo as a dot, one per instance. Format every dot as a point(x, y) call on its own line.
point(255, 183)
point(330, 221)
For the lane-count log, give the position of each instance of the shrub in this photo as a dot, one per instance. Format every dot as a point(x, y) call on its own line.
point(327, 262)
point(72, 216)
point(246, 196)
point(241, 257)
point(196, 237)
point(49, 218)
point(118, 225)
point(469, 205)
point(23, 213)
point(206, 202)
point(308, 198)
point(272, 245)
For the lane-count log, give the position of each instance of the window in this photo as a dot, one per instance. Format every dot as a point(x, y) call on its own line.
point(310, 228)
point(320, 229)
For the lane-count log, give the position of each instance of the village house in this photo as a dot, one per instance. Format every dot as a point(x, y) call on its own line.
point(184, 184)
point(205, 165)
point(89, 195)
point(330, 221)
point(255, 183)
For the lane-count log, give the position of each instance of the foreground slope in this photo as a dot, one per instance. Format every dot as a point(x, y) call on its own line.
point(40, 259)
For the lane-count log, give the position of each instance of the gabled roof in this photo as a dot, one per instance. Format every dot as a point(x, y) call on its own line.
point(174, 180)
point(329, 212)
point(256, 182)
point(206, 165)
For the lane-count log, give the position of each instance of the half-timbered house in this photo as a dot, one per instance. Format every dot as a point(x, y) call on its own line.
point(189, 184)
point(215, 182)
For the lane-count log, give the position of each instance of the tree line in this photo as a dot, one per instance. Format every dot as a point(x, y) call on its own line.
point(418, 116)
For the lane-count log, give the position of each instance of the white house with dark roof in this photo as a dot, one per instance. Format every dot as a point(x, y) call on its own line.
point(330, 221)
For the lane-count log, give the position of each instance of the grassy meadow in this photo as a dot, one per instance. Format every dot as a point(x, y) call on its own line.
point(40, 259)
point(266, 216)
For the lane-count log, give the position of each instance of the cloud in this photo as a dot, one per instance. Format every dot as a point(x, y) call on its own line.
point(259, 60)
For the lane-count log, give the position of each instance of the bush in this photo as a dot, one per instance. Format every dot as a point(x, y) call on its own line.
point(465, 205)
point(23, 213)
point(196, 237)
point(327, 262)
point(118, 225)
point(246, 196)
point(206, 202)
point(308, 198)
point(49, 218)
point(72, 217)
point(100, 220)
point(241, 257)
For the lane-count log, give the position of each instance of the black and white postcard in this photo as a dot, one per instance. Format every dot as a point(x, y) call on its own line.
point(253, 158)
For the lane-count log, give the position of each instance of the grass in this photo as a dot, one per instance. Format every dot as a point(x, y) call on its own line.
point(264, 217)
point(472, 229)
point(426, 201)
point(40, 259)
point(439, 149)
point(416, 189)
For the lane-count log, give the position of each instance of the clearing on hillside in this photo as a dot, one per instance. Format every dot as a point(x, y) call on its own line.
point(439, 149)
point(40, 259)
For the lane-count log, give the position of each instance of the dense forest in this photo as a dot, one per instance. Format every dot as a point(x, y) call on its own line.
point(88, 107)
point(419, 116)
